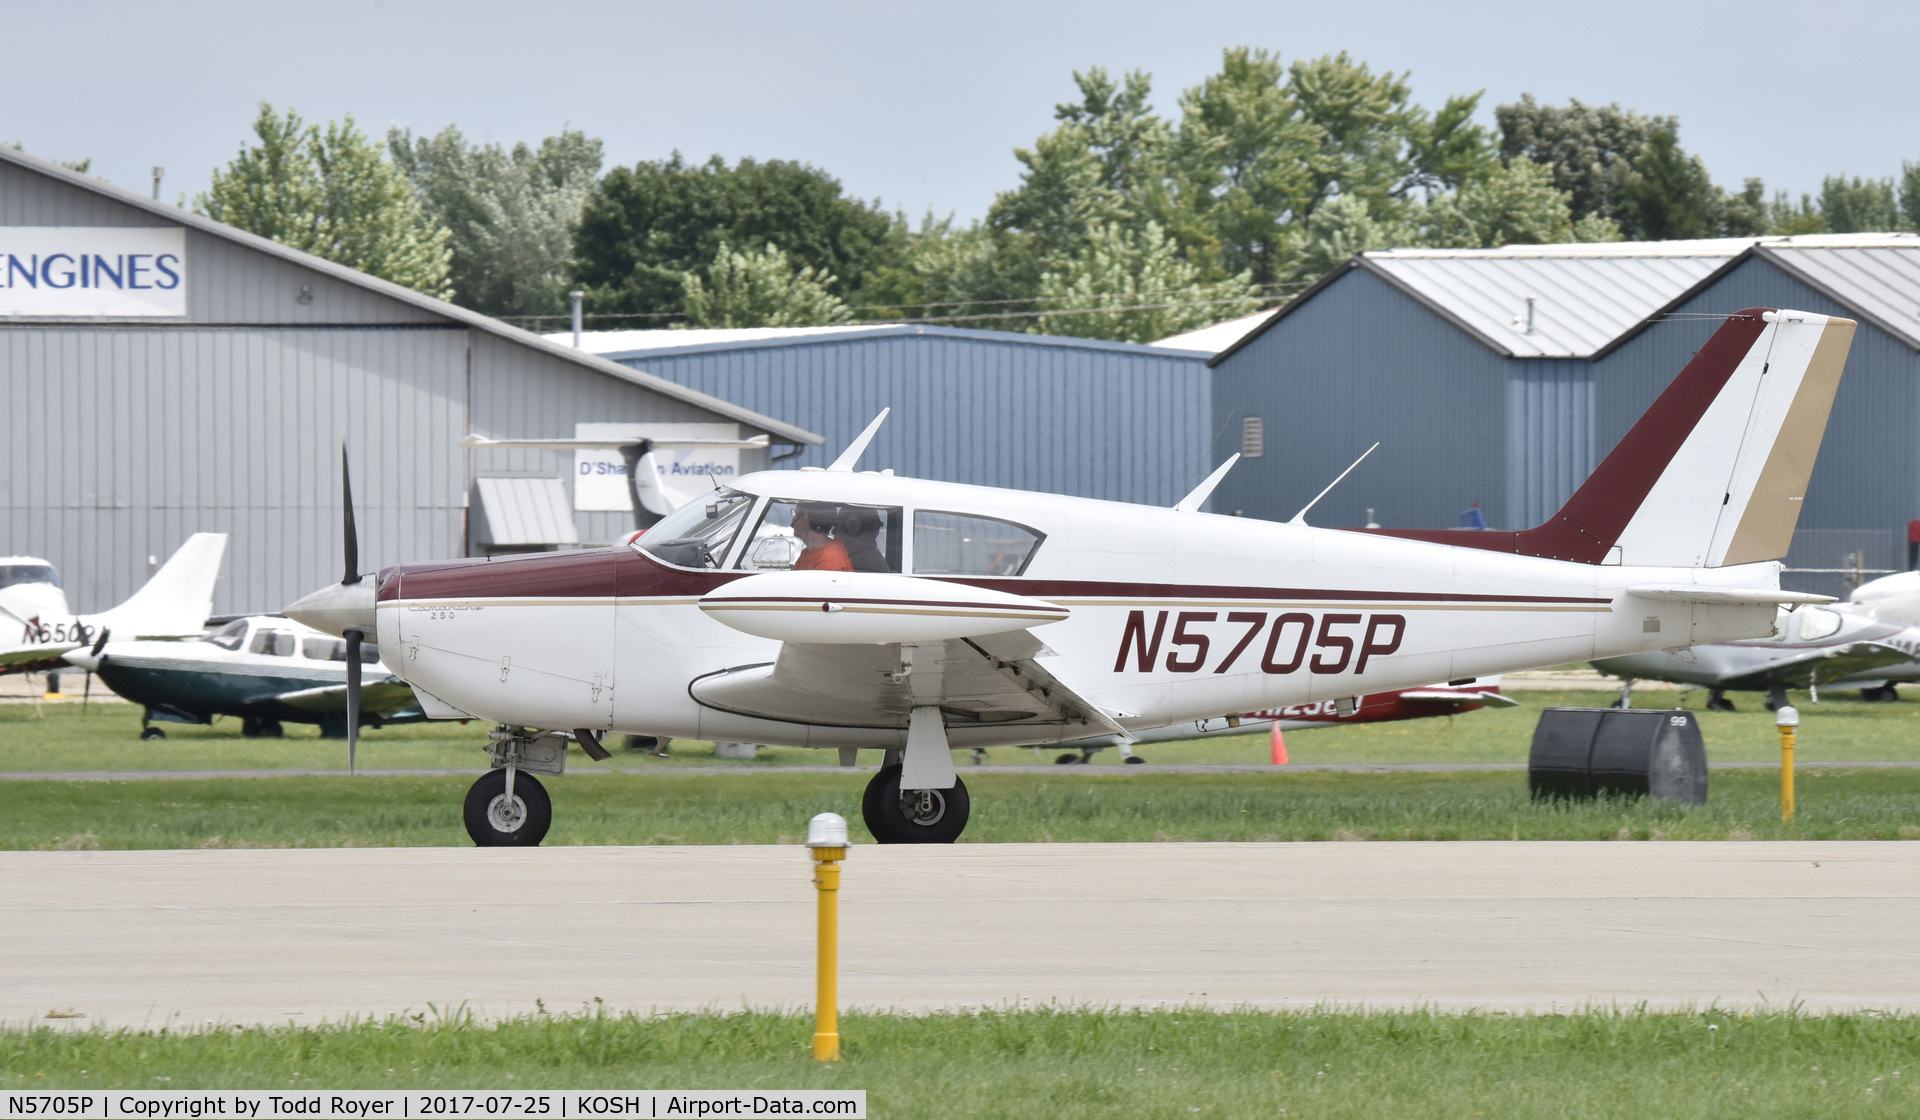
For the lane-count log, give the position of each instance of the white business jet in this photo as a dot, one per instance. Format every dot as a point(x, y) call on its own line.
point(1002, 617)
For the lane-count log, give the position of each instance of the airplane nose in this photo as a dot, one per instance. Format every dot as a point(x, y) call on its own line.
point(338, 608)
point(81, 659)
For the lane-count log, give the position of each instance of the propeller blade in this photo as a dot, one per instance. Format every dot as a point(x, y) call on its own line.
point(352, 534)
point(353, 696)
point(100, 643)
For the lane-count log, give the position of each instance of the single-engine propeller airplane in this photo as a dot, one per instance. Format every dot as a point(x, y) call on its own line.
point(855, 610)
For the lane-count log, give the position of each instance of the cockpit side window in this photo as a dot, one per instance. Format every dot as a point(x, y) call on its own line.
point(273, 643)
point(698, 534)
point(11, 574)
point(1816, 623)
point(231, 635)
point(804, 536)
point(962, 544)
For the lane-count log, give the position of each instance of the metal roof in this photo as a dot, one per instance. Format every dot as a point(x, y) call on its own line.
point(1217, 337)
point(527, 511)
point(405, 295)
point(1879, 281)
point(1582, 300)
point(617, 345)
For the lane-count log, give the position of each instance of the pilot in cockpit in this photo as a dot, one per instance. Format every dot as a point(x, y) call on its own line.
point(814, 525)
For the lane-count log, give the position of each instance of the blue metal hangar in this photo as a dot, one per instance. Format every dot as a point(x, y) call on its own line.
point(1501, 377)
point(165, 374)
point(1121, 421)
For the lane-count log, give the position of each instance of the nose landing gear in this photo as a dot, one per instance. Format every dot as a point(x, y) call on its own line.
point(913, 816)
point(497, 818)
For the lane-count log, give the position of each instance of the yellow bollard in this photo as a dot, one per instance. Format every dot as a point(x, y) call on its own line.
point(827, 836)
point(1787, 719)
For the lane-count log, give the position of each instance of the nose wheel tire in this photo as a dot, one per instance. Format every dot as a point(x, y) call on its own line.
point(495, 822)
point(913, 816)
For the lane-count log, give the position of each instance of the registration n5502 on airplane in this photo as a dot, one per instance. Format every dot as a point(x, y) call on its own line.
point(851, 610)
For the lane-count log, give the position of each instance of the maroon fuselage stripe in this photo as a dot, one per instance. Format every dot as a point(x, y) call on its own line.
point(1591, 522)
point(624, 573)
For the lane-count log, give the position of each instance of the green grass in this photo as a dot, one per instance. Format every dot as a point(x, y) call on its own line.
point(1081, 804)
point(1841, 728)
point(1067, 1064)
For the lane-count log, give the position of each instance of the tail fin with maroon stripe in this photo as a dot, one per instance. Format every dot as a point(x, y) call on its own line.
point(1715, 472)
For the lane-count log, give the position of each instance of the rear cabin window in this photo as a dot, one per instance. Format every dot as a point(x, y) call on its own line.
point(961, 544)
point(698, 534)
point(334, 649)
point(824, 536)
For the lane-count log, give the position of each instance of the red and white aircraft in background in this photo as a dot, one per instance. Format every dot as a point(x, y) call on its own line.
point(985, 617)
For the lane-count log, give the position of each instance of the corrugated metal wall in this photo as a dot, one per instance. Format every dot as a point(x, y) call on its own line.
point(124, 437)
point(1361, 362)
point(1099, 420)
point(1549, 436)
point(1868, 474)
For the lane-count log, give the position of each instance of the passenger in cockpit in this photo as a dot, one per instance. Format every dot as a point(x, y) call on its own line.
point(814, 525)
point(856, 532)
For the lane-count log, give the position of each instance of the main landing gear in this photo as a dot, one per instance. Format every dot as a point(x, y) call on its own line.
point(913, 816)
point(1717, 701)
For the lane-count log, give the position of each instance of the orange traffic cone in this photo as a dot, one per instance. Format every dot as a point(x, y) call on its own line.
point(1279, 746)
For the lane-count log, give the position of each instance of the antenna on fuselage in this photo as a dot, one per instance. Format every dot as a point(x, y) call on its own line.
point(1301, 517)
point(858, 447)
point(1203, 491)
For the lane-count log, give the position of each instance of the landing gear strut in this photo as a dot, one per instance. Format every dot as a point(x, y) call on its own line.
point(913, 816)
point(1717, 701)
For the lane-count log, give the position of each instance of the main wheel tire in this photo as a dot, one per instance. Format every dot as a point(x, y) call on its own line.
point(151, 733)
point(1135, 760)
point(1718, 703)
point(1067, 760)
point(493, 823)
point(259, 727)
point(928, 816)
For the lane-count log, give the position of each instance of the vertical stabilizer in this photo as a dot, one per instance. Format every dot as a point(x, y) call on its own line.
point(175, 603)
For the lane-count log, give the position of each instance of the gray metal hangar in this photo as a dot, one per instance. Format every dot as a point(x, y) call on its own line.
point(1502, 376)
point(1122, 421)
point(165, 374)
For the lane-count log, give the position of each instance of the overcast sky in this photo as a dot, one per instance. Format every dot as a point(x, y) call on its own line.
point(918, 105)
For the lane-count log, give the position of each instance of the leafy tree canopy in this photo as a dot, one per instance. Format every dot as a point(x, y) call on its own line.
point(509, 213)
point(643, 228)
point(760, 289)
point(328, 191)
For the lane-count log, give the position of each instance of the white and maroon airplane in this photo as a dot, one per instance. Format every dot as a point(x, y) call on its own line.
point(982, 617)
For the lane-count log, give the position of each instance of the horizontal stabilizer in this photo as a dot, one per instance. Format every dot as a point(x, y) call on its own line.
point(1723, 596)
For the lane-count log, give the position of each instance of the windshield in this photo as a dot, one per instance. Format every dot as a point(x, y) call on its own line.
point(229, 636)
point(697, 534)
point(11, 574)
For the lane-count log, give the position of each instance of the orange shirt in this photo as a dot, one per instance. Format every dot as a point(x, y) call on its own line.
point(829, 557)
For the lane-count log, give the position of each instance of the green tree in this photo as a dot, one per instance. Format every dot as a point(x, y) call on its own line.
point(1590, 148)
point(1785, 219)
point(643, 228)
point(1910, 194)
point(1131, 286)
point(328, 192)
point(1668, 194)
point(1513, 205)
point(1858, 205)
point(760, 289)
point(510, 214)
point(1746, 214)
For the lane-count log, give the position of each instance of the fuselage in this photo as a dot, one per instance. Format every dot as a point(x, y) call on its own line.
point(36, 625)
point(1174, 616)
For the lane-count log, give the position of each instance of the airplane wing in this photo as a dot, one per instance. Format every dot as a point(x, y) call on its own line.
point(990, 679)
point(381, 697)
point(1829, 664)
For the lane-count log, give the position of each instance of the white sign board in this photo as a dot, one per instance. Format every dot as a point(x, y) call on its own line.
point(81, 272)
point(669, 477)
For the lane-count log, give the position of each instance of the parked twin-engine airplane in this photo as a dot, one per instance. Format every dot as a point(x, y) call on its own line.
point(37, 627)
point(855, 610)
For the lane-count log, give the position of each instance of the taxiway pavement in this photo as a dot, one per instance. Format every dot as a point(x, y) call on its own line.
point(150, 937)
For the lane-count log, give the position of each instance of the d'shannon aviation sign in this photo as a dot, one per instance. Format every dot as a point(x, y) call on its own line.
point(71, 271)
